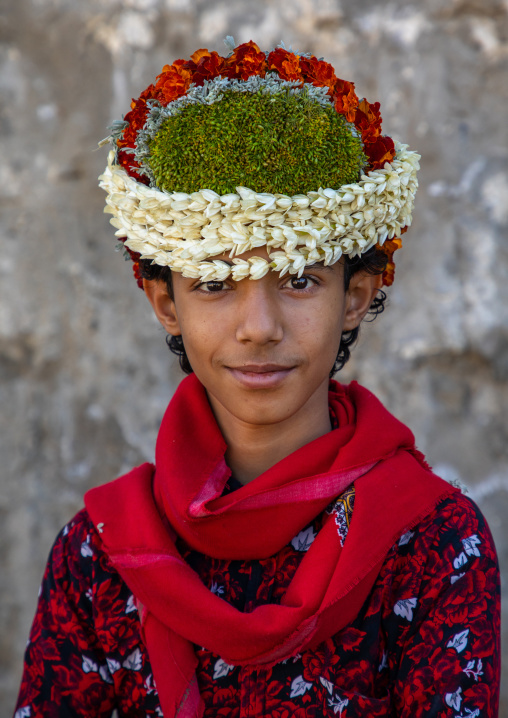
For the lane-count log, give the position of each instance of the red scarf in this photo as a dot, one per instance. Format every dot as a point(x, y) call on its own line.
point(140, 514)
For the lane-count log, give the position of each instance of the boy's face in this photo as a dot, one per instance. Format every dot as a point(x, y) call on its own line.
point(263, 348)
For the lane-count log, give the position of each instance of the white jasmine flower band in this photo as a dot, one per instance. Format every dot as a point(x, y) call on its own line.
point(186, 231)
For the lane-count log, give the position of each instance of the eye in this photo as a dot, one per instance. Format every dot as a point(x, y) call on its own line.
point(299, 282)
point(213, 286)
point(303, 282)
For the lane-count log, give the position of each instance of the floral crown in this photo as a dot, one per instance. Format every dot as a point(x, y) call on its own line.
point(226, 154)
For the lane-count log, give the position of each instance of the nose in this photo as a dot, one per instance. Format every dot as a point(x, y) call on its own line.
point(260, 317)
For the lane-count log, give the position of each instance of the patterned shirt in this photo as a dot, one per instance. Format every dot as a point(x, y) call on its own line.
point(425, 642)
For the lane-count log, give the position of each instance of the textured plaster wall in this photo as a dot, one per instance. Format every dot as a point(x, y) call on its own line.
point(84, 372)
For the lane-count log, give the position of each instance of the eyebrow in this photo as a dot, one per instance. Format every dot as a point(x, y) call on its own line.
point(320, 265)
point(316, 265)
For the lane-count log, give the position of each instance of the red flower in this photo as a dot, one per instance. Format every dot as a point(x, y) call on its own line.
point(246, 60)
point(437, 559)
point(46, 649)
point(133, 691)
point(318, 72)
point(258, 689)
point(135, 256)
point(377, 597)
point(209, 66)
point(33, 678)
point(318, 663)
point(407, 568)
point(137, 274)
point(446, 666)
point(465, 599)
point(373, 707)
point(118, 632)
point(285, 63)
point(368, 120)
point(272, 691)
point(225, 702)
point(480, 694)
point(430, 635)
point(65, 621)
point(283, 712)
point(380, 151)
point(288, 561)
point(346, 99)
point(66, 679)
point(358, 677)
point(173, 82)
point(198, 55)
point(127, 161)
point(418, 691)
point(137, 117)
point(481, 637)
point(93, 692)
point(290, 710)
point(350, 638)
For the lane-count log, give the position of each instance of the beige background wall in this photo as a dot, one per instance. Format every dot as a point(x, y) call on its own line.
point(84, 372)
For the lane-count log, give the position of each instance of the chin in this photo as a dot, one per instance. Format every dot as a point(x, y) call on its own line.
point(262, 415)
point(264, 407)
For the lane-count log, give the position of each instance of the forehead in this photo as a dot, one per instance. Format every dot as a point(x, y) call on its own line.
point(332, 272)
point(263, 253)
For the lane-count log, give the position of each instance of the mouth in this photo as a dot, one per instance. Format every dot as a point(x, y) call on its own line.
point(260, 376)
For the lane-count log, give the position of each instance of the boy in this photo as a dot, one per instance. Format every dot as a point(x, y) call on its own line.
point(290, 553)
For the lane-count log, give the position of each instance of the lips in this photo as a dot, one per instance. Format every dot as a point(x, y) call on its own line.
point(260, 376)
point(261, 368)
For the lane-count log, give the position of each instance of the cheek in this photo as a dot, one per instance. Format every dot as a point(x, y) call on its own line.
point(203, 336)
point(320, 331)
point(194, 334)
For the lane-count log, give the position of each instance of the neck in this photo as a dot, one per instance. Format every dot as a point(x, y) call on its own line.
point(254, 448)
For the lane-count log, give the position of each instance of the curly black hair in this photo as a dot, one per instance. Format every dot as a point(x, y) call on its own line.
point(373, 262)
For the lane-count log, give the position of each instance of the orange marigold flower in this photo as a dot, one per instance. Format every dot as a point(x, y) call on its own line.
point(346, 99)
point(388, 248)
point(389, 274)
point(246, 60)
point(368, 120)
point(380, 151)
point(147, 94)
point(318, 72)
point(208, 67)
point(136, 117)
point(285, 63)
point(173, 82)
point(196, 56)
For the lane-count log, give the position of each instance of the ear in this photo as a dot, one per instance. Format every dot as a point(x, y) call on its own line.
point(362, 290)
point(163, 305)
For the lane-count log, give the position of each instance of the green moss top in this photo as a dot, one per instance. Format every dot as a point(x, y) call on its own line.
point(267, 142)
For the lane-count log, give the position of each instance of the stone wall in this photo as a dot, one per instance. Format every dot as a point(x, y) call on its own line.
point(84, 372)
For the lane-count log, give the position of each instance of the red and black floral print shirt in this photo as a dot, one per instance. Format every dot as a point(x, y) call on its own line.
point(425, 643)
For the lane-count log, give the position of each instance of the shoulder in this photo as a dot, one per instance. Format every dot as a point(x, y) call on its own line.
point(454, 522)
point(78, 533)
point(80, 575)
point(77, 551)
point(450, 553)
point(453, 537)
